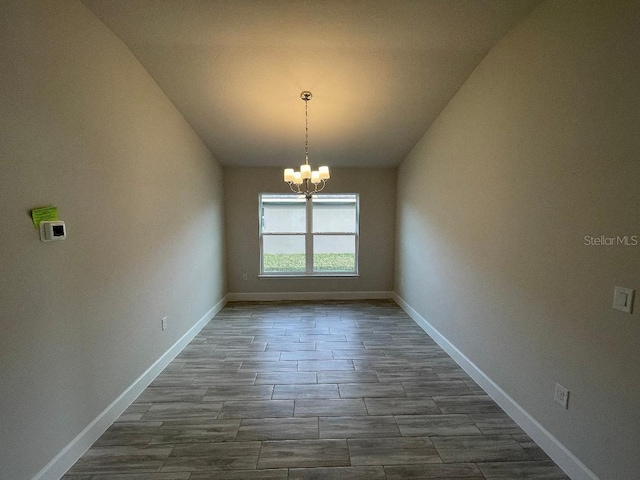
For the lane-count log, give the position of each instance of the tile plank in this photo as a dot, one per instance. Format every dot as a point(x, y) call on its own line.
point(392, 451)
point(329, 407)
point(436, 425)
point(257, 409)
point(337, 473)
point(306, 391)
point(358, 427)
point(540, 470)
point(401, 406)
point(479, 448)
point(466, 471)
point(362, 390)
point(213, 456)
point(278, 429)
point(304, 453)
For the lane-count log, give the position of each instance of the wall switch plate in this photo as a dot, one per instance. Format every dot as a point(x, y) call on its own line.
point(244, 276)
point(623, 299)
point(561, 396)
point(164, 323)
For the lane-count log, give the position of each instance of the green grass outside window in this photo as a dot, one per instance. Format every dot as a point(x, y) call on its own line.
point(322, 262)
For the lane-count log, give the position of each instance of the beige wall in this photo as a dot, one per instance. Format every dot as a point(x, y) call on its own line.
point(376, 187)
point(539, 148)
point(85, 128)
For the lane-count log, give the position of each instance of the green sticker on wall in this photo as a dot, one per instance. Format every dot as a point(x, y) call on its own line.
point(44, 214)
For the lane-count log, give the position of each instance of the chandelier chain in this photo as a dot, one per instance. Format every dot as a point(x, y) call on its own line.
point(306, 131)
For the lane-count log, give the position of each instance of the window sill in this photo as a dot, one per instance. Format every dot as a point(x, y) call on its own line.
point(298, 276)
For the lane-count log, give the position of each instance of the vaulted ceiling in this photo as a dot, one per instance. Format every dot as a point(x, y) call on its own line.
point(380, 70)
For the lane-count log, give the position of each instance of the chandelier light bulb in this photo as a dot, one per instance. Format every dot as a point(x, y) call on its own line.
point(324, 173)
point(288, 174)
point(305, 170)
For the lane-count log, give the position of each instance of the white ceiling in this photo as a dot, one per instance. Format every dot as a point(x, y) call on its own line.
point(380, 70)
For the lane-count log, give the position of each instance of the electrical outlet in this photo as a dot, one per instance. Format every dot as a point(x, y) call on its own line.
point(244, 276)
point(164, 323)
point(561, 396)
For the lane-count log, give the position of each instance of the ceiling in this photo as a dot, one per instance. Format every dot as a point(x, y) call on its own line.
point(380, 70)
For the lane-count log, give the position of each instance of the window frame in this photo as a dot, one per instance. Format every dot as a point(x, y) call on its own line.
point(309, 236)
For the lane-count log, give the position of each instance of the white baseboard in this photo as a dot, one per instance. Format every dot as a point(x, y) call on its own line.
point(70, 454)
point(271, 297)
point(566, 460)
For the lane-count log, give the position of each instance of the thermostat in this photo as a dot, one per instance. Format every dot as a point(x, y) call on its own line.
point(50, 231)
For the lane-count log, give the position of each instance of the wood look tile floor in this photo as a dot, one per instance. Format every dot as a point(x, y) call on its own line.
point(313, 390)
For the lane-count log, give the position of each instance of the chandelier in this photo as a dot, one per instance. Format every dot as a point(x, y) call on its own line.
point(306, 181)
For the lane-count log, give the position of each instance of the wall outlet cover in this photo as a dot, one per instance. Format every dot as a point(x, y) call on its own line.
point(561, 396)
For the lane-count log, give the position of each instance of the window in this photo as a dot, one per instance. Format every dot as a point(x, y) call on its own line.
point(315, 237)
